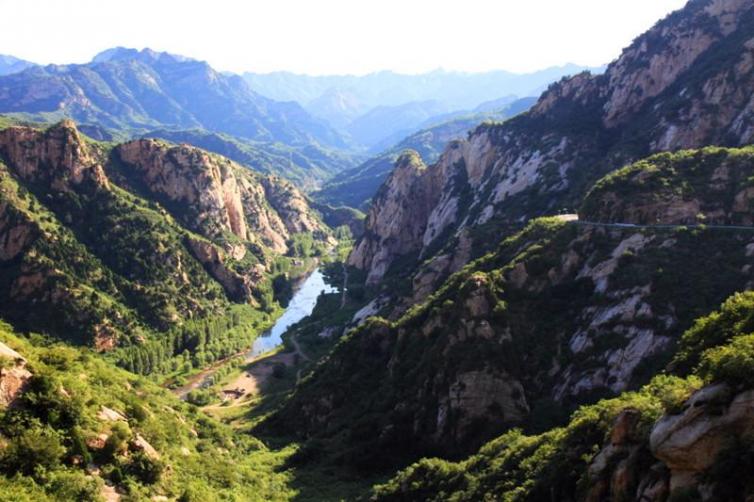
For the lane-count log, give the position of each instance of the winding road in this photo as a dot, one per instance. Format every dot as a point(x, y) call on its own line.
point(573, 218)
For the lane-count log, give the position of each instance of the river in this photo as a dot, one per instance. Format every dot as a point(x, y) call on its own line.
point(301, 305)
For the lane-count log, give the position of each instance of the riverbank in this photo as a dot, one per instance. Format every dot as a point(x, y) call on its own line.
point(264, 355)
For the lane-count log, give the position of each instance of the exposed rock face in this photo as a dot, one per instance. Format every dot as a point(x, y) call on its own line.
point(290, 204)
point(623, 469)
point(94, 240)
point(12, 379)
point(399, 216)
point(237, 286)
point(679, 450)
point(58, 157)
point(688, 443)
point(683, 84)
point(214, 195)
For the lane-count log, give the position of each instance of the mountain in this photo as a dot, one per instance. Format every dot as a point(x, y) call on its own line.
point(10, 64)
point(338, 107)
point(378, 109)
point(355, 187)
point(456, 90)
point(137, 248)
point(382, 122)
point(306, 165)
point(144, 90)
point(489, 317)
point(544, 161)
point(679, 437)
point(558, 315)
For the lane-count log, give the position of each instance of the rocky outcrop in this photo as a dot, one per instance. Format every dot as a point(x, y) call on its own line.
point(213, 195)
point(398, 218)
point(683, 84)
point(191, 178)
point(624, 469)
point(690, 442)
point(13, 375)
point(676, 454)
point(238, 287)
point(290, 204)
point(57, 156)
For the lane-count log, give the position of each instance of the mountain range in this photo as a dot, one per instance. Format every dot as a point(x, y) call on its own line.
point(548, 299)
point(381, 107)
point(486, 316)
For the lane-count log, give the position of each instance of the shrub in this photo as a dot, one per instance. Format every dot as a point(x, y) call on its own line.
point(33, 449)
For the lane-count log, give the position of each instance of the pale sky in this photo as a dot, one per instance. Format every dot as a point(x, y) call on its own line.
point(334, 36)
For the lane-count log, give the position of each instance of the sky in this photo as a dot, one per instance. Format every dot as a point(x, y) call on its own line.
point(334, 36)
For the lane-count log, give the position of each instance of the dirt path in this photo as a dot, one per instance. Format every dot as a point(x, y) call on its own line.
point(258, 372)
point(250, 382)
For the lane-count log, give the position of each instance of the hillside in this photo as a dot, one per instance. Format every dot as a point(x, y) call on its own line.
point(558, 315)
point(73, 427)
point(144, 247)
point(143, 90)
point(677, 438)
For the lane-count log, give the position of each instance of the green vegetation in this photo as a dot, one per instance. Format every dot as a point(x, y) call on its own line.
point(52, 437)
point(529, 293)
point(680, 177)
point(110, 266)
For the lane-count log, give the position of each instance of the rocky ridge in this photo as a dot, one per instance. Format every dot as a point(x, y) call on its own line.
point(680, 85)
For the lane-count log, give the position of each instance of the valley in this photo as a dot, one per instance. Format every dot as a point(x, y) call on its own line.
point(387, 287)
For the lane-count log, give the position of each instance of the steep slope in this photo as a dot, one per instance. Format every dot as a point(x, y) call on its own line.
point(356, 187)
point(125, 88)
point(560, 314)
point(122, 246)
point(684, 84)
point(669, 441)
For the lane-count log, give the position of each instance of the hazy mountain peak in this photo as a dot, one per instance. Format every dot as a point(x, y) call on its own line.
point(127, 53)
point(11, 64)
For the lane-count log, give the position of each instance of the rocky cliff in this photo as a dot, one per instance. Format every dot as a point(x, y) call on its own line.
point(683, 84)
point(214, 196)
point(397, 226)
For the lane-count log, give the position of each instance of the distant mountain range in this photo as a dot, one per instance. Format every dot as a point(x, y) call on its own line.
point(379, 108)
point(129, 89)
point(301, 127)
point(10, 64)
